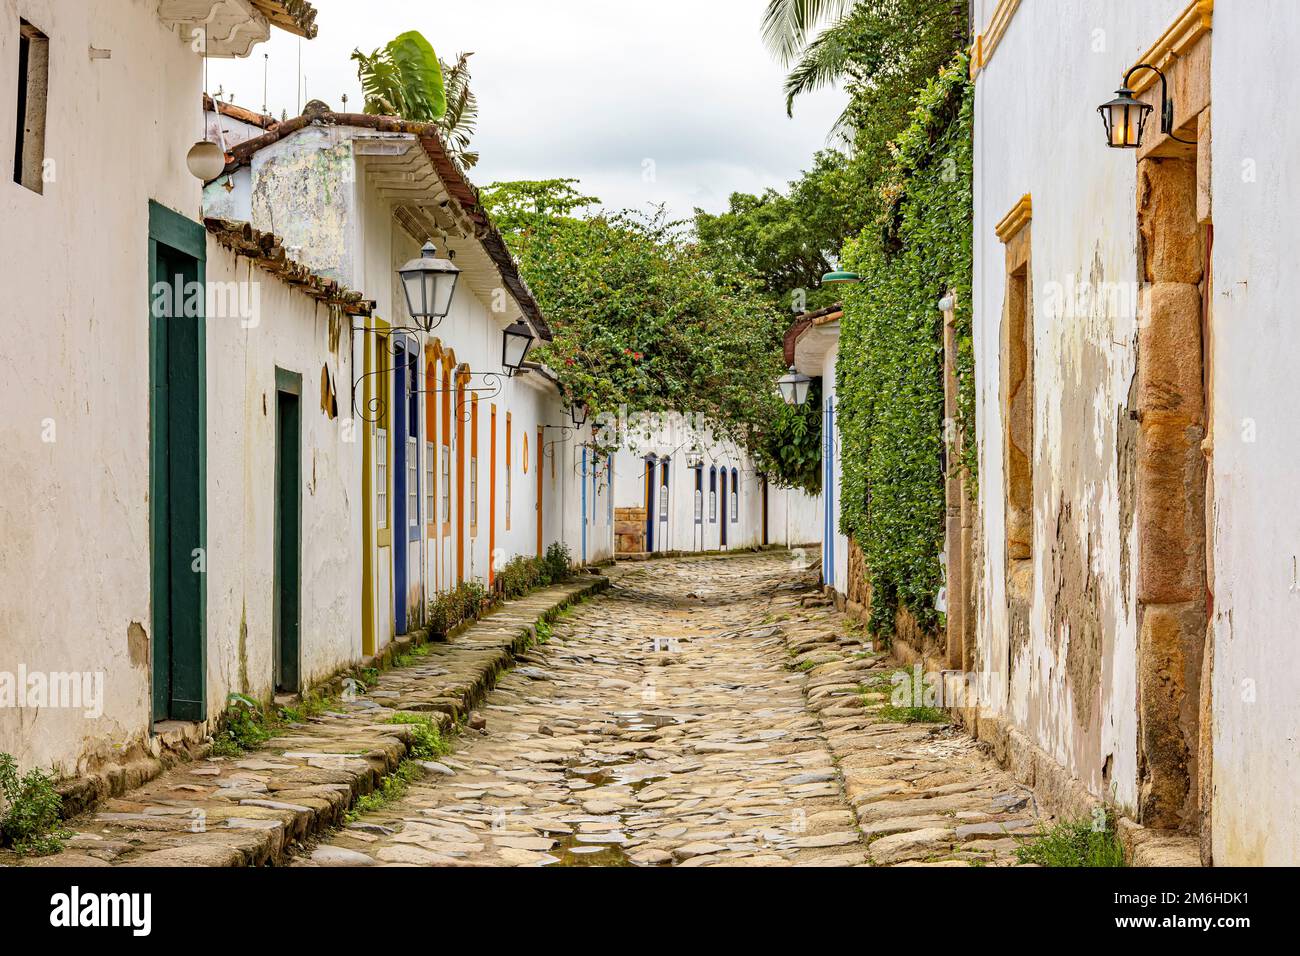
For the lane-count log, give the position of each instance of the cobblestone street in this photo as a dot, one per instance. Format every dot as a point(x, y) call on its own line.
point(701, 712)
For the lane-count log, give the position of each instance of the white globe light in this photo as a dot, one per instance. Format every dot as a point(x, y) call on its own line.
point(206, 160)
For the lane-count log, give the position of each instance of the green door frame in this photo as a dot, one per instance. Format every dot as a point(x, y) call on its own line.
point(288, 531)
point(178, 473)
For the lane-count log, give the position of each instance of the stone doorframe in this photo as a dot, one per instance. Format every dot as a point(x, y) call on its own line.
point(1174, 389)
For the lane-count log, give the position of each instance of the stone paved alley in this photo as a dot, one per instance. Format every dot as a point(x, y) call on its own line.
point(746, 739)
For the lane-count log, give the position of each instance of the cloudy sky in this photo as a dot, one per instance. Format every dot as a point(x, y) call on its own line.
point(672, 101)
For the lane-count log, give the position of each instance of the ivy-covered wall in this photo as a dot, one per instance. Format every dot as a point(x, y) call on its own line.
point(890, 368)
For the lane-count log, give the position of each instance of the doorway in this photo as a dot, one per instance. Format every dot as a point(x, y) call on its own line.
point(541, 435)
point(723, 502)
point(649, 505)
point(288, 532)
point(178, 465)
point(401, 455)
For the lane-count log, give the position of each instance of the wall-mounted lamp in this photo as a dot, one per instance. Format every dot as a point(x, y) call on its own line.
point(1125, 117)
point(429, 283)
point(515, 343)
point(794, 387)
point(833, 278)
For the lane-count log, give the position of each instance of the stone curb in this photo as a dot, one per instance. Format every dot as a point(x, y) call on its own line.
point(253, 810)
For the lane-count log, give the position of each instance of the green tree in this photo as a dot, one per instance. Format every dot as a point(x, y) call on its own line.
point(881, 50)
point(642, 315)
point(403, 78)
point(789, 240)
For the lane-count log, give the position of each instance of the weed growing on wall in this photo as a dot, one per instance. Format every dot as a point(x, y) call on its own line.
point(890, 367)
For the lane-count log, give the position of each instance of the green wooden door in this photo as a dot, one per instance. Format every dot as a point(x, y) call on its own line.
point(288, 531)
point(177, 466)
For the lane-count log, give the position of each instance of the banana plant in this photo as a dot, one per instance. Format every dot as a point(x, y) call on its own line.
point(403, 78)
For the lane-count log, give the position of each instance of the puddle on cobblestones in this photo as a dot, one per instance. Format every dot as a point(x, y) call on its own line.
point(572, 853)
point(635, 720)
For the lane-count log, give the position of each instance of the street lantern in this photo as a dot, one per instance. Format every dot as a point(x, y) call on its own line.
point(429, 283)
point(1125, 118)
point(694, 459)
point(516, 340)
point(578, 413)
point(794, 387)
point(837, 277)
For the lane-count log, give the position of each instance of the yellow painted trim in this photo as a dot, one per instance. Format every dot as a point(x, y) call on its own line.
point(1192, 24)
point(987, 42)
point(368, 646)
point(1016, 219)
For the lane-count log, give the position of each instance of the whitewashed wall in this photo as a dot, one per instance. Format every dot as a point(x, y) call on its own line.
point(74, 374)
point(292, 332)
point(1044, 138)
point(1256, 154)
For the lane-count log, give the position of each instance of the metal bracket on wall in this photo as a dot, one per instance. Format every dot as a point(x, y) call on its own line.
point(396, 340)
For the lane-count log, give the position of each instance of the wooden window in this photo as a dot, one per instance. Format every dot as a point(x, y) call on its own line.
point(430, 471)
point(663, 489)
point(735, 496)
point(699, 494)
point(33, 93)
point(444, 486)
point(381, 476)
point(713, 495)
point(431, 445)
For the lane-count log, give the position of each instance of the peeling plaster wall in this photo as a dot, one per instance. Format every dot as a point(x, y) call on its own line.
point(74, 511)
point(1071, 685)
point(305, 194)
point(292, 332)
point(1256, 525)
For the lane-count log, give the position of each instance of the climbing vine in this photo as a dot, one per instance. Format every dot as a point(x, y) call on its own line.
point(890, 366)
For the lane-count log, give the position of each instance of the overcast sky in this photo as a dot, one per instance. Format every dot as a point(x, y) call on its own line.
point(645, 101)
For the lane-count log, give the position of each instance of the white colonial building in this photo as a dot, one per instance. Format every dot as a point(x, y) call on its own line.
point(146, 426)
point(1136, 381)
point(679, 488)
point(463, 465)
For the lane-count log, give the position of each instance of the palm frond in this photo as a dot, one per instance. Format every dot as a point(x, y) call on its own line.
point(823, 63)
point(788, 24)
point(461, 119)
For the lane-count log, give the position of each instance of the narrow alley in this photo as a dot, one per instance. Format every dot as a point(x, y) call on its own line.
point(701, 712)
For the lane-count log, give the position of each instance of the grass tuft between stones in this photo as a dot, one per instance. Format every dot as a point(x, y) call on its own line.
point(1072, 843)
